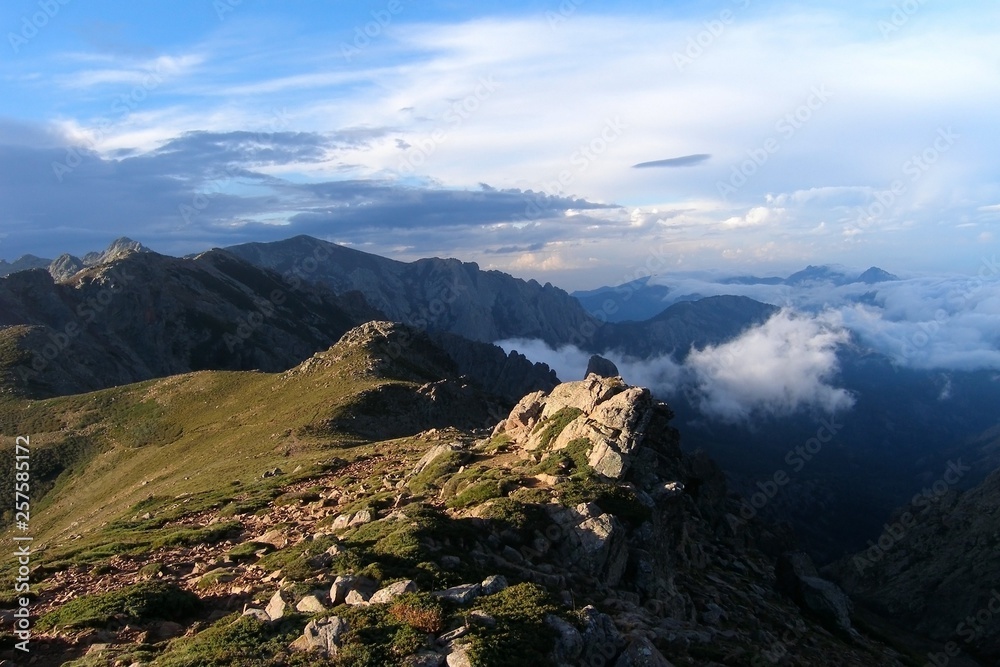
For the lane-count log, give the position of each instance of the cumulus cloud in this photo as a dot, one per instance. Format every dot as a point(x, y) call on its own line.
point(777, 368)
point(787, 364)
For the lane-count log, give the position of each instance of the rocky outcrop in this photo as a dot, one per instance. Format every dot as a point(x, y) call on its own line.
point(601, 367)
point(145, 315)
point(613, 418)
point(797, 578)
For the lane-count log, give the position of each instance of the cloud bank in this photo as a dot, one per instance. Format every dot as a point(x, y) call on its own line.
point(787, 364)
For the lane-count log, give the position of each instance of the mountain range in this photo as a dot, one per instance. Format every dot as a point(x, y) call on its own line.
point(396, 350)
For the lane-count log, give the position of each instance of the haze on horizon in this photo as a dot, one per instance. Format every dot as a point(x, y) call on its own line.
point(563, 141)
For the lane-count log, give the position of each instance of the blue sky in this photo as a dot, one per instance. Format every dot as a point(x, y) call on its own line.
point(507, 133)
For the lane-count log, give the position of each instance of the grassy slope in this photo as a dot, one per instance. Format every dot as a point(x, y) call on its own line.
point(190, 434)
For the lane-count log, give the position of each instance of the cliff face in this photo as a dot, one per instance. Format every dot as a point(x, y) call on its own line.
point(935, 567)
point(657, 540)
point(446, 295)
point(434, 294)
point(144, 315)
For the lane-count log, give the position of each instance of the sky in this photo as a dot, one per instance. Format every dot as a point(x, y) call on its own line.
point(574, 142)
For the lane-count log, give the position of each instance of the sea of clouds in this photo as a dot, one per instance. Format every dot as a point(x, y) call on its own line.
point(790, 362)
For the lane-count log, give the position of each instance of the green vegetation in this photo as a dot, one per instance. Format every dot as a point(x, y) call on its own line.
point(477, 494)
point(138, 603)
point(299, 561)
point(520, 636)
point(435, 474)
point(236, 641)
point(553, 425)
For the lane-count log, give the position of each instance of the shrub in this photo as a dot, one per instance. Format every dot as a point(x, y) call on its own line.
point(554, 425)
point(134, 604)
point(418, 610)
point(477, 494)
point(520, 636)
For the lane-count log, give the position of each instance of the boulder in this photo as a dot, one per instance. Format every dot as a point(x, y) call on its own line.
point(601, 367)
point(310, 604)
point(461, 595)
point(345, 584)
point(493, 584)
point(796, 577)
point(324, 636)
point(392, 591)
point(602, 548)
point(600, 636)
point(640, 652)
point(458, 656)
point(569, 641)
point(278, 605)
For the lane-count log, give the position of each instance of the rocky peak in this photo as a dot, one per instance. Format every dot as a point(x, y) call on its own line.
point(614, 419)
point(602, 367)
point(119, 248)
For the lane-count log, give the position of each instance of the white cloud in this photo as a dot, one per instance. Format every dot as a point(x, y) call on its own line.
point(777, 368)
point(784, 365)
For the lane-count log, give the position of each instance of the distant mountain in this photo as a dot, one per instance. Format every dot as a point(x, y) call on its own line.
point(143, 315)
point(636, 300)
point(66, 265)
point(457, 297)
point(433, 294)
point(147, 315)
point(682, 326)
point(23, 264)
point(875, 275)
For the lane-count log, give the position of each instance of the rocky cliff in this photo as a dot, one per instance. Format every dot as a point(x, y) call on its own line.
point(935, 568)
point(446, 295)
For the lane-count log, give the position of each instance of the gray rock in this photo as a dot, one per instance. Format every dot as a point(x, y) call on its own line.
point(569, 641)
point(392, 591)
point(460, 595)
point(600, 636)
point(344, 584)
point(257, 613)
point(640, 652)
point(424, 659)
point(361, 518)
point(796, 577)
point(324, 635)
point(310, 604)
point(601, 367)
point(494, 584)
point(278, 605)
point(458, 656)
